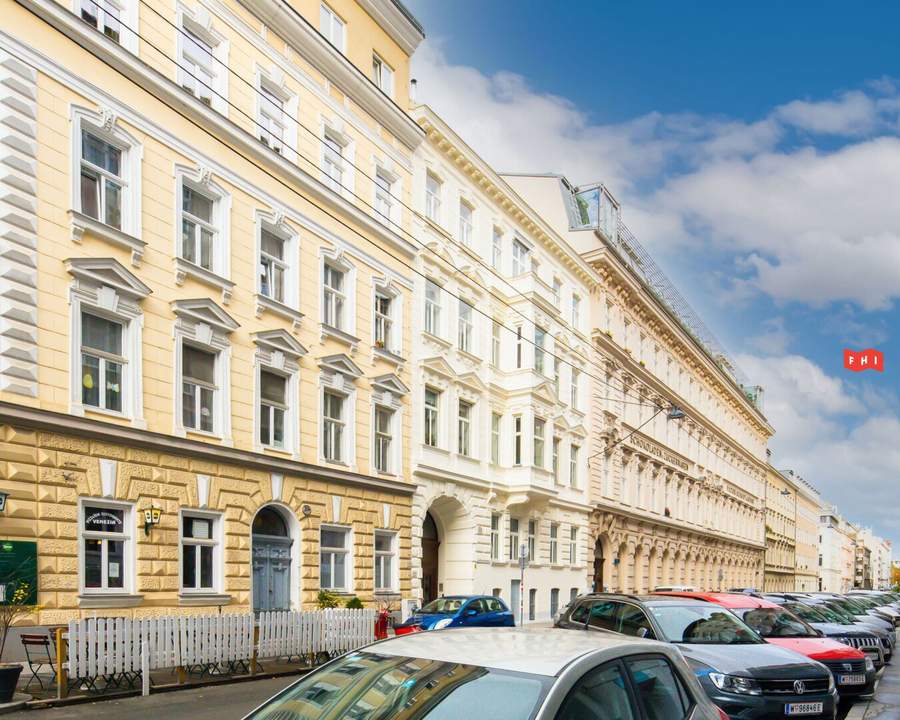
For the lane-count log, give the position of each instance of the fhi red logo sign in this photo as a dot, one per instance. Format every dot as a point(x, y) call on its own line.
point(864, 360)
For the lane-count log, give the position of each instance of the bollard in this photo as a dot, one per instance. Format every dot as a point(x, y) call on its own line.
point(62, 655)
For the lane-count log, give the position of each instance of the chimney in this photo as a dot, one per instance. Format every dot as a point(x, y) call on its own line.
point(413, 86)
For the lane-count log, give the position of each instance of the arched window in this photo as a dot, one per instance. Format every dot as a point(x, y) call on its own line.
point(269, 521)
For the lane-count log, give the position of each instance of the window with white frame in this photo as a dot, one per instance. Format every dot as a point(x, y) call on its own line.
point(576, 311)
point(532, 540)
point(333, 426)
point(432, 197)
point(556, 390)
point(333, 161)
point(573, 465)
point(554, 601)
point(465, 223)
point(106, 551)
point(383, 76)
point(432, 308)
point(198, 388)
point(105, 15)
point(520, 255)
point(273, 265)
point(199, 68)
point(466, 327)
point(513, 539)
point(540, 337)
point(517, 440)
point(496, 419)
point(556, 443)
point(199, 552)
point(519, 347)
point(385, 560)
point(199, 228)
point(573, 387)
point(103, 184)
point(384, 321)
point(384, 199)
point(332, 27)
point(495, 343)
point(333, 296)
point(384, 439)
point(271, 118)
point(273, 408)
point(495, 536)
point(538, 445)
point(464, 428)
point(554, 543)
point(102, 362)
point(432, 408)
point(334, 558)
point(497, 250)
point(557, 292)
point(573, 545)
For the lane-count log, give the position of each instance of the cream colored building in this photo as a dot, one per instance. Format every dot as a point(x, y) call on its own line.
point(675, 501)
point(502, 386)
point(837, 549)
point(202, 209)
point(879, 551)
point(781, 532)
point(809, 505)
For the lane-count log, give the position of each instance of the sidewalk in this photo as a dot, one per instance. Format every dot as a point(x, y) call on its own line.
point(886, 704)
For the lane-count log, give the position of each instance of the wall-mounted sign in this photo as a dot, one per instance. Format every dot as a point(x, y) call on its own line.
point(18, 569)
point(103, 519)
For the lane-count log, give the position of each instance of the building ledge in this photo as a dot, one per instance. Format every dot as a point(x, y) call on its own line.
point(203, 599)
point(186, 269)
point(110, 600)
point(329, 331)
point(267, 304)
point(82, 224)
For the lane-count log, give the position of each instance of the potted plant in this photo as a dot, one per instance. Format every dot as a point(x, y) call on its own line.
point(326, 600)
point(354, 603)
point(15, 607)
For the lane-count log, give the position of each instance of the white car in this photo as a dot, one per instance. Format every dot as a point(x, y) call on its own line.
point(501, 674)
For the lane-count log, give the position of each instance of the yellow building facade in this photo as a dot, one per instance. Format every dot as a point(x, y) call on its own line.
point(206, 294)
point(781, 532)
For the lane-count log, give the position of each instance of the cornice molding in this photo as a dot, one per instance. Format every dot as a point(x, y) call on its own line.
point(397, 22)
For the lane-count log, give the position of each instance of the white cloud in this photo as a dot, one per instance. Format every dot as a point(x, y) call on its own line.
point(851, 114)
point(774, 339)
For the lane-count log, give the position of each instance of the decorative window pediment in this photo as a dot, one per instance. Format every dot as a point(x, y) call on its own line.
point(472, 381)
point(279, 341)
point(390, 383)
point(340, 365)
point(439, 366)
point(205, 311)
point(107, 272)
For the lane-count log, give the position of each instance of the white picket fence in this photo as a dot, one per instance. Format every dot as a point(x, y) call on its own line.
point(112, 647)
point(335, 631)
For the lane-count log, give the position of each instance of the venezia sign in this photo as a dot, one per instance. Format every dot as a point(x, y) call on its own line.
point(660, 452)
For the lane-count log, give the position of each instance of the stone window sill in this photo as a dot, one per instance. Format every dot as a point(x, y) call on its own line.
point(199, 599)
point(109, 600)
point(267, 304)
point(185, 269)
point(82, 224)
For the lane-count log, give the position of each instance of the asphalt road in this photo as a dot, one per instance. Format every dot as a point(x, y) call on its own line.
point(218, 702)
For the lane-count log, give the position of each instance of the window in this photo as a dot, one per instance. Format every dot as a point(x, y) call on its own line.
point(432, 397)
point(532, 603)
point(199, 552)
point(332, 26)
point(105, 15)
point(432, 198)
point(658, 687)
point(102, 181)
point(554, 543)
point(513, 539)
point(573, 465)
point(497, 250)
point(333, 162)
point(106, 546)
point(101, 363)
point(573, 546)
point(464, 419)
point(517, 440)
point(384, 200)
point(495, 536)
point(573, 594)
point(465, 223)
point(333, 296)
point(532, 533)
point(198, 391)
point(271, 119)
point(334, 554)
point(519, 257)
point(384, 560)
point(383, 322)
point(557, 292)
point(556, 364)
point(556, 442)
point(576, 311)
point(333, 424)
point(272, 408)
point(432, 308)
point(495, 438)
point(272, 266)
point(465, 326)
point(519, 347)
point(540, 337)
point(538, 442)
point(383, 76)
point(603, 687)
point(573, 389)
point(199, 68)
point(554, 602)
point(198, 228)
point(495, 344)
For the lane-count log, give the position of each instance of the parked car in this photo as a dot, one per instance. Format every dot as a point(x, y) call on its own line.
point(854, 673)
point(863, 606)
point(674, 588)
point(872, 642)
point(884, 628)
point(744, 675)
point(458, 611)
point(517, 674)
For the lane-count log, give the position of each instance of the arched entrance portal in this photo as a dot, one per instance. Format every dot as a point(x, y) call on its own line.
point(430, 549)
point(271, 560)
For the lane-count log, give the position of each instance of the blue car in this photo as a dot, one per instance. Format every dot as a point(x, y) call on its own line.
point(459, 611)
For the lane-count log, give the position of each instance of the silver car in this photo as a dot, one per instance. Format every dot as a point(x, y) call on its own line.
point(501, 674)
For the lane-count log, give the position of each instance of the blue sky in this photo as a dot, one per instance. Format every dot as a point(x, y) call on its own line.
point(756, 151)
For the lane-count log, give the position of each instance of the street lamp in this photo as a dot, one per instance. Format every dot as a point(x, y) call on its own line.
point(675, 413)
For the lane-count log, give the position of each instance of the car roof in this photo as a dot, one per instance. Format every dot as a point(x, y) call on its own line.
point(650, 600)
point(729, 600)
point(540, 651)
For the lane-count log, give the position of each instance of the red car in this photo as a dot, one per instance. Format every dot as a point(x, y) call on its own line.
point(854, 673)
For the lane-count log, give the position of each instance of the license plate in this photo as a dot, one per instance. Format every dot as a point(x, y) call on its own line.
point(811, 708)
point(851, 679)
point(873, 656)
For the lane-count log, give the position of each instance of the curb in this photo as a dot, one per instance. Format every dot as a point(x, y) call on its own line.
point(860, 710)
point(19, 701)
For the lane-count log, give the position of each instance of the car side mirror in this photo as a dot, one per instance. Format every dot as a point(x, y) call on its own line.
point(643, 632)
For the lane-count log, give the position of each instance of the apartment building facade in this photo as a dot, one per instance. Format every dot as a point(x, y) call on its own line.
point(781, 532)
point(206, 301)
point(809, 508)
point(677, 454)
point(502, 379)
point(837, 551)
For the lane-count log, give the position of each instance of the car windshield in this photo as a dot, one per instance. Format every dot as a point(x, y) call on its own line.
point(848, 614)
point(371, 686)
point(775, 623)
point(700, 625)
point(848, 605)
point(808, 613)
point(443, 606)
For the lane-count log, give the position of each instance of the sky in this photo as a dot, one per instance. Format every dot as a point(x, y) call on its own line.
point(756, 154)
